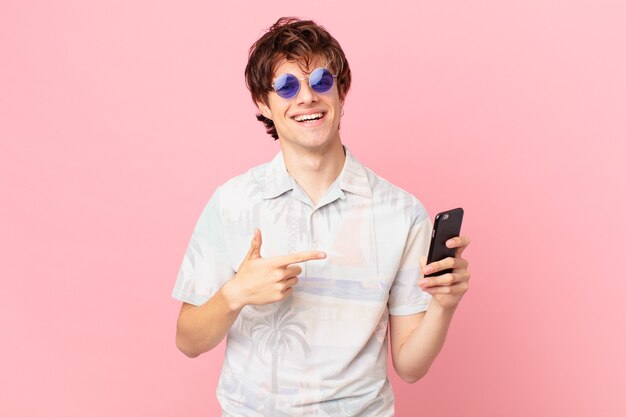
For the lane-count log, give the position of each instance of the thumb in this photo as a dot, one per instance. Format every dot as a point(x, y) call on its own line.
point(255, 247)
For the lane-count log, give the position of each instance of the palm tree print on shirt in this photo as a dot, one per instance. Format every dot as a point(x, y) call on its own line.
point(275, 333)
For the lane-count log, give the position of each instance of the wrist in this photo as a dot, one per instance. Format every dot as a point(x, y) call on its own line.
point(232, 296)
point(435, 308)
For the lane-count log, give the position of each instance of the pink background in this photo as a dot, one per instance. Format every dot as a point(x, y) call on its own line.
point(119, 118)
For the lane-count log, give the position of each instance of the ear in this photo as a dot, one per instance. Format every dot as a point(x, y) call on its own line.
point(265, 110)
point(342, 100)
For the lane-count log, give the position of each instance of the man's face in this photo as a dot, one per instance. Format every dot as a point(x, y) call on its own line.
point(286, 113)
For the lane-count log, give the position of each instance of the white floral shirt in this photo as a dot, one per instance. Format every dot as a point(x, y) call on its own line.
point(322, 351)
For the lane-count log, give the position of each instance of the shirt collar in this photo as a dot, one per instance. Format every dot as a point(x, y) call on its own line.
point(353, 177)
point(277, 179)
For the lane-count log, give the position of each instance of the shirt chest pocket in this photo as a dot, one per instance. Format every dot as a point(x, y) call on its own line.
point(350, 270)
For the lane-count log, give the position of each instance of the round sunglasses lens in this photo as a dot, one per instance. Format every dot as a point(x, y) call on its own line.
point(321, 80)
point(287, 86)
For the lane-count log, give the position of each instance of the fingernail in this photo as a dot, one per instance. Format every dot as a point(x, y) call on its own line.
point(321, 255)
point(428, 269)
point(424, 283)
point(450, 243)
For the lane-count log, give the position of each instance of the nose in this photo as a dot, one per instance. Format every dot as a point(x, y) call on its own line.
point(306, 94)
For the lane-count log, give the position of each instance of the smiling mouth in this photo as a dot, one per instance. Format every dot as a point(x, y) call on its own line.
point(303, 118)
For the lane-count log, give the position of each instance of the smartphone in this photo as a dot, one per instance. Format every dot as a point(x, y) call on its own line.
point(447, 225)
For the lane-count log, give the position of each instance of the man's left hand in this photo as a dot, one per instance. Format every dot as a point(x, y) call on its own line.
point(447, 289)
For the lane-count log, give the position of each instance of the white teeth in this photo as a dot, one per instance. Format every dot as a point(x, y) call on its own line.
point(308, 117)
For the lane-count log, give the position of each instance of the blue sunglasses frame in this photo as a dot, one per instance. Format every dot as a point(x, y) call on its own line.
point(320, 80)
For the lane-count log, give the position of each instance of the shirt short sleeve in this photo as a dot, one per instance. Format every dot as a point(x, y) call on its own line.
point(205, 267)
point(405, 296)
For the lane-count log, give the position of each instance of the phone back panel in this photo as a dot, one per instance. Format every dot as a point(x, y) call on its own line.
point(447, 225)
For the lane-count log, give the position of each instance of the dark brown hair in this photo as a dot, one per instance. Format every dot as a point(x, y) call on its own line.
point(295, 40)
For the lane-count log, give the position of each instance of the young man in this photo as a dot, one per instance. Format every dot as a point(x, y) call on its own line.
point(337, 254)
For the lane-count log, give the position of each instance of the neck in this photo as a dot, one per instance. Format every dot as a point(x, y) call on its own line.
point(314, 169)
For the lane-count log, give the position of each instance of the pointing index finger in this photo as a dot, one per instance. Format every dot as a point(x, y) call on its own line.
point(298, 257)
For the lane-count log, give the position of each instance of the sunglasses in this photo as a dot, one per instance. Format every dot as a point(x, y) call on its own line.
point(288, 85)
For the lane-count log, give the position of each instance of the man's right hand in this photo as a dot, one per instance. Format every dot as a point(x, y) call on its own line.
point(265, 280)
